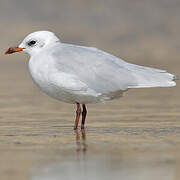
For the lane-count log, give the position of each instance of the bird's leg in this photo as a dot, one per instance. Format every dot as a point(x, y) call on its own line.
point(84, 112)
point(78, 114)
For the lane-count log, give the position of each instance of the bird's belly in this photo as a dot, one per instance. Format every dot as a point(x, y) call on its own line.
point(60, 93)
point(40, 73)
point(65, 95)
point(70, 97)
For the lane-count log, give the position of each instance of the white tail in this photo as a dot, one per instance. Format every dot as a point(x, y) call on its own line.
point(151, 77)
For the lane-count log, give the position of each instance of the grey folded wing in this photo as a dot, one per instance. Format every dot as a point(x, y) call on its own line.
point(105, 73)
point(100, 71)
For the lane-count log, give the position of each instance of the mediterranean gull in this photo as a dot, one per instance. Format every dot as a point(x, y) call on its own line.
point(82, 75)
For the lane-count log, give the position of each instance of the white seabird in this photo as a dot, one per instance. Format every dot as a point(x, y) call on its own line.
point(82, 75)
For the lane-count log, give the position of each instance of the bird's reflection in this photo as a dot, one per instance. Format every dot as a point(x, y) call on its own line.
point(81, 140)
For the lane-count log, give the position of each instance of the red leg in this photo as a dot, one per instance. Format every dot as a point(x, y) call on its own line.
point(83, 116)
point(78, 114)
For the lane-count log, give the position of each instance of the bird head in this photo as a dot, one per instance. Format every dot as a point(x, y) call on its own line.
point(35, 42)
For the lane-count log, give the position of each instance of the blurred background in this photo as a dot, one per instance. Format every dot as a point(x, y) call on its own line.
point(136, 137)
point(139, 31)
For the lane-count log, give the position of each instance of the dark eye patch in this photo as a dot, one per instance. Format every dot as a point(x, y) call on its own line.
point(30, 43)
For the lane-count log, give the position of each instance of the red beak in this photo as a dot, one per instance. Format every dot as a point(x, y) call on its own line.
point(13, 50)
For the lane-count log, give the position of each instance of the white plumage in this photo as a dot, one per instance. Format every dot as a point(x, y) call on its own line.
point(81, 74)
point(78, 74)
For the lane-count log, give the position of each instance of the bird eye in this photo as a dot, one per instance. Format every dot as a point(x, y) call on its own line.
point(30, 43)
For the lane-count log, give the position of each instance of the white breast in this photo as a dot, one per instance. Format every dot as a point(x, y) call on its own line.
point(39, 72)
